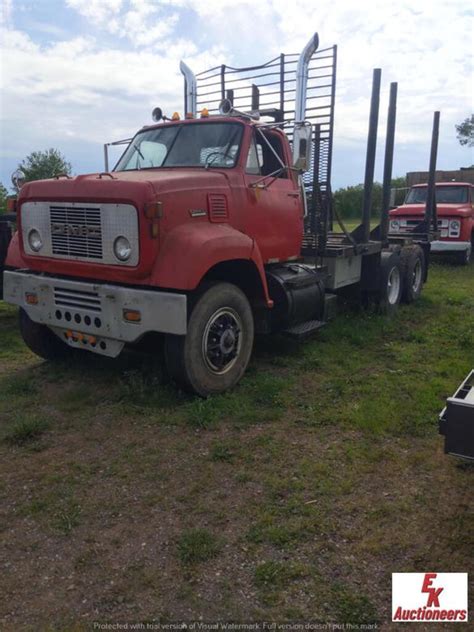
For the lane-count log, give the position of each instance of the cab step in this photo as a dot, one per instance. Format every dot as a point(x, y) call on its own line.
point(304, 330)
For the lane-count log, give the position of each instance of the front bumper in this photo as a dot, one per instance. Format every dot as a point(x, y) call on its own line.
point(90, 315)
point(449, 246)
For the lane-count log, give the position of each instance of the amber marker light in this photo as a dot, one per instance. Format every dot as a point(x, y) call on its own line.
point(175, 116)
point(153, 210)
point(204, 113)
point(132, 315)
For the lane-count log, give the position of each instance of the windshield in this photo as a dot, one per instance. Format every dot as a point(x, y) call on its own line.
point(444, 195)
point(199, 145)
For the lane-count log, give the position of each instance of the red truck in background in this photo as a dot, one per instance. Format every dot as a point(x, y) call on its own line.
point(455, 210)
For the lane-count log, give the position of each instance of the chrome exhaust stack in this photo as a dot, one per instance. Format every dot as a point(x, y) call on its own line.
point(302, 78)
point(302, 129)
point(190, 89)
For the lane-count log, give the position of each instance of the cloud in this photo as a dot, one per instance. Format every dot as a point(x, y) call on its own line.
point(6, 10)
point(124, 60)
point(142, 22)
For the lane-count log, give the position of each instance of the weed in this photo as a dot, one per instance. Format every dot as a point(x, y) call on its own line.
point(67, 517)
point(18, 385)
point(221, 452)
point(354, 608)
point(25, 431)
point(274, 575)
point(197, 545)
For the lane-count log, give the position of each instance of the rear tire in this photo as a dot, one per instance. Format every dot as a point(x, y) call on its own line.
point(42, 340)
point(391, 283)
point(215, 352)
point(414, 269)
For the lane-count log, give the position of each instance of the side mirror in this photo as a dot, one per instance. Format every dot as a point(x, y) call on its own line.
point(302, 146)
point(18, 179)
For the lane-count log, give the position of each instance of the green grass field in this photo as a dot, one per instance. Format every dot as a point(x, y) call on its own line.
point(294, 497)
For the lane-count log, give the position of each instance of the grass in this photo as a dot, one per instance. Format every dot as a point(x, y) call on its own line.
point(25, 430)
point(197, 545)
point(295, 496)
point(274, 575)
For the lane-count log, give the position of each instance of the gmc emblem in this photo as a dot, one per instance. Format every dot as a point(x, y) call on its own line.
point(75, 230)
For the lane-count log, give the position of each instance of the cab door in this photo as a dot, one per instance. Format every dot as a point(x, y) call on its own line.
point(274, 209)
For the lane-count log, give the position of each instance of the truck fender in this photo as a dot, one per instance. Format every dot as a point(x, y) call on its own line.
point(14, 259)
point(189, 252)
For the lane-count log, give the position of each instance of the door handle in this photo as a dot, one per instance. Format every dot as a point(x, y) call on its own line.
point(295, 194)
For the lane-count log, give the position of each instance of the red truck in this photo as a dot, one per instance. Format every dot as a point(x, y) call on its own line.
point(206, 230)
point(455, 211)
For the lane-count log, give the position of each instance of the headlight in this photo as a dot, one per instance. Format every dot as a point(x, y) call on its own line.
point(122, 248)
point(395, 225)
point(454, 226)
point(34, 240)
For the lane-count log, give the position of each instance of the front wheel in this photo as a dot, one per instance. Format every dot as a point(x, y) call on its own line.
point(216, 350)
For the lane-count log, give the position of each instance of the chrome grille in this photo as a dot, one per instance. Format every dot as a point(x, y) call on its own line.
point(409, 224)
point(65, 297)
point(76, 231)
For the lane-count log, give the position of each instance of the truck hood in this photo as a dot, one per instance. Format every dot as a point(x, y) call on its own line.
point(444, 210)
point(136, 187)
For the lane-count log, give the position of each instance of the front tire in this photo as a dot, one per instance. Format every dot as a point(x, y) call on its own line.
point(215, 352)
point(41, 340)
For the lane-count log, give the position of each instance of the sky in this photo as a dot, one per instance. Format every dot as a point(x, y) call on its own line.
point(75, 74)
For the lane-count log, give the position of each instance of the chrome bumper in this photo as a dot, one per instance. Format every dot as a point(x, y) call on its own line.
point(90, 315)
point(449, 246)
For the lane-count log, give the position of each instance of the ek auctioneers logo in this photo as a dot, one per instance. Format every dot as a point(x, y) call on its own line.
point(429, 597)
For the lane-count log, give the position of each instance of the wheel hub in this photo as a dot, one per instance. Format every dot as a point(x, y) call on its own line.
point(222, 340)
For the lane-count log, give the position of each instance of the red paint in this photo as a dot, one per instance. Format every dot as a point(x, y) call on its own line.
point(261, 224)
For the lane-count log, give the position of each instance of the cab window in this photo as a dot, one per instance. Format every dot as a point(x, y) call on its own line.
point(262, 157)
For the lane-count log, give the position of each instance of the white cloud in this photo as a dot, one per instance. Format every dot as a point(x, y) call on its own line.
point(89, 91)
point(142, 22)
point(97, 11)
point(6, 9)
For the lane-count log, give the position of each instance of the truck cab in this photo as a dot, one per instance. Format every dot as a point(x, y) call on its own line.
point(455, 211)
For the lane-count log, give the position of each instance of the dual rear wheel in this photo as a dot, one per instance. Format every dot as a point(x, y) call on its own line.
point(402, 276)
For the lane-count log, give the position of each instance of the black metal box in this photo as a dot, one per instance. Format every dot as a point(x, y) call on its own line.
point(456, 421)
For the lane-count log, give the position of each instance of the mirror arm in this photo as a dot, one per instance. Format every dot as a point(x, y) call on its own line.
point(274, 175)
